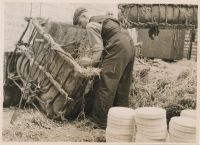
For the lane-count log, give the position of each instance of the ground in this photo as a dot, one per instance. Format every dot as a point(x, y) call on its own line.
point(31, 125)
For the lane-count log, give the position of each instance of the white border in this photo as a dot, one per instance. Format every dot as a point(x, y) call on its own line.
point(96, 1)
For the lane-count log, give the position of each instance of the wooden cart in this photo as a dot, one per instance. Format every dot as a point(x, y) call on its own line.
point(47, 74)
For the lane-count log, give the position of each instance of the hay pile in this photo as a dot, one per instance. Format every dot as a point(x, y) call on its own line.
point(31, 125)
point(158, 83)
point(72, 39)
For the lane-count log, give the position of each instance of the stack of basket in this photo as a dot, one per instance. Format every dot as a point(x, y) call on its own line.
point(151, 124)
point(120, 125)
point(182, 129)
point(189, 113)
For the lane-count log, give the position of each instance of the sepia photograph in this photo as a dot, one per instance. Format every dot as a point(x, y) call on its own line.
point(122, 72)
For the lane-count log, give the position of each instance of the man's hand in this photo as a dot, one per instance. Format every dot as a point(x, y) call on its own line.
point(139, 44)
point(85, 61)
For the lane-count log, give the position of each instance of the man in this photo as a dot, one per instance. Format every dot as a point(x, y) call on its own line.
point(94, 34)
point(115, 49)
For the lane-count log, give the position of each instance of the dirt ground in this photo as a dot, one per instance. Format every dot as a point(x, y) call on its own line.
point(31, 125)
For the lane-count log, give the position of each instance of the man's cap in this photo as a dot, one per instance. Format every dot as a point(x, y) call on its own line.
point(77, 14)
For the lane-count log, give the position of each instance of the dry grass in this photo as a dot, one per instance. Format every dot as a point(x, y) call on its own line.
point(155, 83)
point(161, 83)
point(31, 125)
point(172, 86)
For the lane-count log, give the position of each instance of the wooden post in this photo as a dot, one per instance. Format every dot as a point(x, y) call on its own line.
point(40, 9)
point(31, 10)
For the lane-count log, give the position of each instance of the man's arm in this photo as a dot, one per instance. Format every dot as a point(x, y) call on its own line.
point(95, 41)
